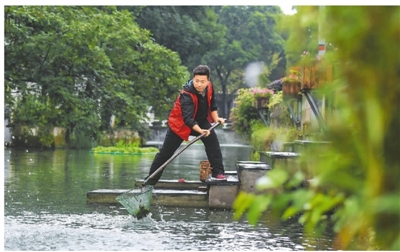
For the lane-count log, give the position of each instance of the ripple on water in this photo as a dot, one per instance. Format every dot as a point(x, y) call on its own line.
point(100, 231)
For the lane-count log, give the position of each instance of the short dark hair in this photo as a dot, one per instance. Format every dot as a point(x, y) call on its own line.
point(202, 70)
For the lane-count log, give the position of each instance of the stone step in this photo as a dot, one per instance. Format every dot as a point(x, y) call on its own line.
point(274, 158)
point(173, 184)
point(187, 184)
point(230, 180)
point(310, 145)
point(299, 146)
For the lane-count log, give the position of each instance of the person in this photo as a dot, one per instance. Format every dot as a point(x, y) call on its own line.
point(192, 114)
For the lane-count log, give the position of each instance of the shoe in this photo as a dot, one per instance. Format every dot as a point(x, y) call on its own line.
point(219, 177)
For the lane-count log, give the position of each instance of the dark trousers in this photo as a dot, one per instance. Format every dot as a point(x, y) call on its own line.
point(172, 143)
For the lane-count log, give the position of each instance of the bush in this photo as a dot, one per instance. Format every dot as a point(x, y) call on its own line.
point(244, 113)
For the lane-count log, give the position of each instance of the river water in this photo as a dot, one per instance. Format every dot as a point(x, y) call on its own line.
point(45, 207)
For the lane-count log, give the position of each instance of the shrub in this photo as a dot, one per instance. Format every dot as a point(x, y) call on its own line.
point(244, 113)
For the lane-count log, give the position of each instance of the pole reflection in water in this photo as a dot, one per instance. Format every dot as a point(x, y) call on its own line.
point(45, 207)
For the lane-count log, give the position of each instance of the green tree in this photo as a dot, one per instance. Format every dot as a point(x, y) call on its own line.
point(300, 38)
point(191, 31)
point(84, 64)
point(250, 37)
point(357, 178)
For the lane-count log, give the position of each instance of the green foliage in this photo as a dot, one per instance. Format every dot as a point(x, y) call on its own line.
point(275, 100)
point(294, 76)
point(82, 64)
point(125, 146)
point(255, 156)
point(285, 202)
point(121, 143)
point(46, 139)
point(262, 137)
point(124, 150)
point(191, 31)
point(355, 180)
point(280, 112)
point(87, 63)
point(300, 32)
point(244, 113)
point(246, 120)
point(250, 36)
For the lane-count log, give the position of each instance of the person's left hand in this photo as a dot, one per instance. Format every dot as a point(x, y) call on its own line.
point(221, 120)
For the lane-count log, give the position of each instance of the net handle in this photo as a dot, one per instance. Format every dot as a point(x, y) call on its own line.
point(177, 153)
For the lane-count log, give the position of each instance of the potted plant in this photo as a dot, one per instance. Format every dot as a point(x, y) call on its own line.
point(261, 96)
point(291, 84)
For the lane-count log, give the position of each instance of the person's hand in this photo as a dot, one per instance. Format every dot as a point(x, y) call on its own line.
point(221, 120)
point(206, 132)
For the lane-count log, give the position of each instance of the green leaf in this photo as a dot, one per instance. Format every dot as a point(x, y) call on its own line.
point(242, 202)
point(273, 179)
point(289, 212)
point(258, 206)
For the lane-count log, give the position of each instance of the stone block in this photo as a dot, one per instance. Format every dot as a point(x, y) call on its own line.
point(222, 195)
point(249, 172)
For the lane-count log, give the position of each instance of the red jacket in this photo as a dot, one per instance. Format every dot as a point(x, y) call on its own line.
point(175, 119)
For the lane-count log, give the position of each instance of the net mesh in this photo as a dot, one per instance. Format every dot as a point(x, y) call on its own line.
point(137, 201)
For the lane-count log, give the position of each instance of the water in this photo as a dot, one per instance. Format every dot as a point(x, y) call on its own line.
point(45, 207)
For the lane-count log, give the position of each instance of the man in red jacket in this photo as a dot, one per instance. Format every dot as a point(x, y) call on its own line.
point(192, 114)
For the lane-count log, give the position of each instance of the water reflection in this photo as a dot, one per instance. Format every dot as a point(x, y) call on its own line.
point(45, 207)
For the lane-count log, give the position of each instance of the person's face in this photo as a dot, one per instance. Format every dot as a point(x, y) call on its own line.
point(200, 82)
